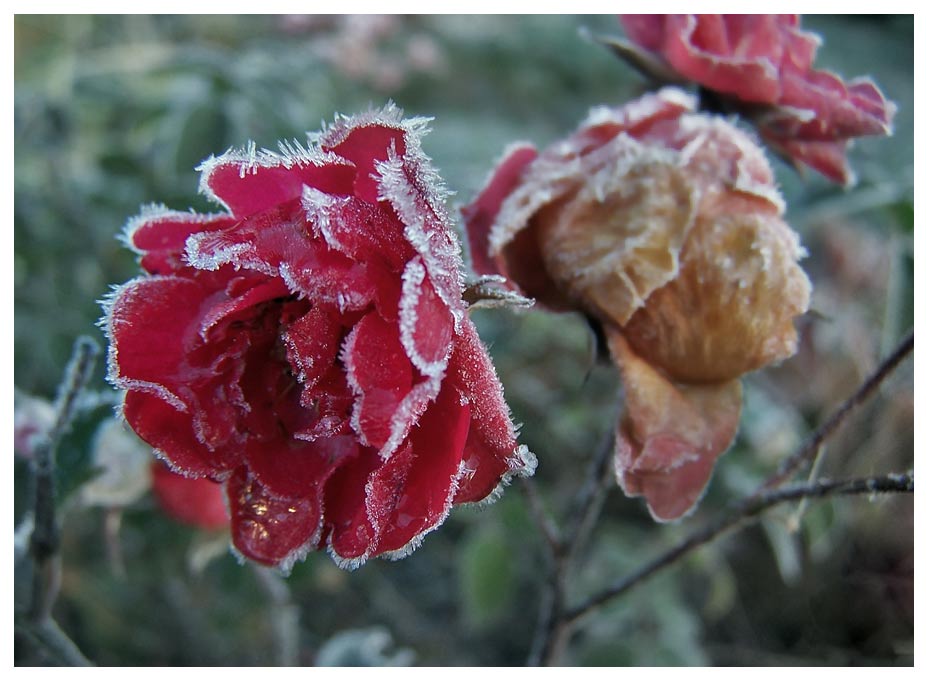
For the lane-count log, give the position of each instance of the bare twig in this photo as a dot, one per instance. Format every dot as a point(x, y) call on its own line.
point(591, 497)
point(542, 519)
point(553, 631)
point(736, 518)
point(52, 643)
point(45, 540)
point(809, 448)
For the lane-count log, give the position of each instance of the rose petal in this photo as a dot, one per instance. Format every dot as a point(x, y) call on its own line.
point(380, 374)
point(697, 48)
point(479, 215)
point(350, 534)
point(670, 434)
point(267, 529)
point(198, 502)
point(647, 30)
point(360, 230)
point(491, 453)
point(171, 432)
point(295, 468)
point(419, 494)
point(312, 342)
point(366, 145)
point(425, 323)
point(248, 181)
point(160, 236)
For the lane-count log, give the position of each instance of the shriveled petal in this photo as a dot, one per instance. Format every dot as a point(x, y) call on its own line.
point(840, 110)
point(479, 216)
point(731, 308)
point(267, 529)
point(194, 501)
point(827, 158)
point(670, 434)
point(611, 253)
point(697, 46)
point(647, 30)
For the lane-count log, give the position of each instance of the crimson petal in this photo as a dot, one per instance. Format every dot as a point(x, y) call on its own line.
point(248, 181)
point(267, 529)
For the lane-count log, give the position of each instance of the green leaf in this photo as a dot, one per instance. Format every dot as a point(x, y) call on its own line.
point(486, 576)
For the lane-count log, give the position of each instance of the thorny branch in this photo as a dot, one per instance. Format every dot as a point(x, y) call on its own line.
point(737, 517)
point(808, 450)
point(45, 539)
point(552, 633)
point(556, 621)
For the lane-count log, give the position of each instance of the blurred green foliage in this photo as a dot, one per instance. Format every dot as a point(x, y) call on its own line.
point(112, 112)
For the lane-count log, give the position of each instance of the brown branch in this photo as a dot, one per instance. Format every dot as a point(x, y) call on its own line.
point(809, 448)
point(736, 518)
point(552, 631)
point(548, 529)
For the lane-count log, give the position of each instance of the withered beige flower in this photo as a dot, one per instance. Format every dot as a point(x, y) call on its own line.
point(666, 227)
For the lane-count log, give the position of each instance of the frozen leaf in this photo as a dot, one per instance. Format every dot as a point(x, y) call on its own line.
point(124, 463)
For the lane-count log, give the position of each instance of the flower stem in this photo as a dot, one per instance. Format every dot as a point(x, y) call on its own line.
point(809, 448)
point(45, 540)
point(553, 631)
point(737, 517)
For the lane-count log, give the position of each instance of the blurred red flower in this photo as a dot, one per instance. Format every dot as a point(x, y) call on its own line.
point(194, 501)
point(665, 227)
point(310, 347)
point(761, 65)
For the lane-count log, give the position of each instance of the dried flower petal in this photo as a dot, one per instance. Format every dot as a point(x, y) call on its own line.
point(670, 434)
point(761, 66)
point(665, 227)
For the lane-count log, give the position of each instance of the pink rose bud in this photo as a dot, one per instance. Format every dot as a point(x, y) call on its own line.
point(310, 348)
point(665, 226)
point(761, 66)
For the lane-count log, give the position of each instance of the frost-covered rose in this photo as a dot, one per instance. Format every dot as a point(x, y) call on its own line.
point(665, 227)
point(310, 349)
point(761, 65)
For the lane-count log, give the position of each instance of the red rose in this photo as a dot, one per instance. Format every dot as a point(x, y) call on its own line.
point(310, 348)
point(761, 66)
point(194, 501)
point(665, 227)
